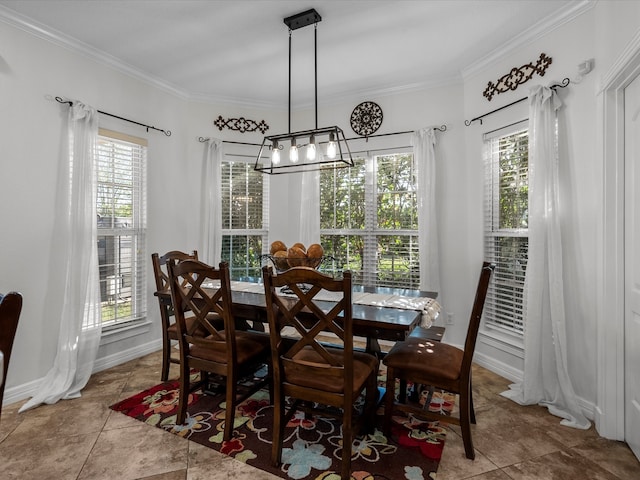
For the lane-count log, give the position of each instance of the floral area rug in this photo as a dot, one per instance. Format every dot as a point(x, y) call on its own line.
point(313, 447)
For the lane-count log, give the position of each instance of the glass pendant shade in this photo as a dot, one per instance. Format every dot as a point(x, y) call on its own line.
point(293, 151)
point(332, 147)
point(275, 153)
point(311, 149)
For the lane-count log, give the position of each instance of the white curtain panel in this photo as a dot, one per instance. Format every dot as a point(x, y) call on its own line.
point(80, 319)
point(546, 381)
point(310, 208)
point(424, 151)
point(210, 250)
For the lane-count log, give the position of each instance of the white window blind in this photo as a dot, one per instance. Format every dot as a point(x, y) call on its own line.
point(368, 220)
point(506, 228)
point(245, 194)
point(122, 222)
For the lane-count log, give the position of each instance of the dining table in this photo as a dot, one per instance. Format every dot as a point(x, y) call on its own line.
point(379, 313)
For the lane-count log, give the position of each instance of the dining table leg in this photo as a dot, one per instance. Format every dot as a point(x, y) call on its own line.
point(373, 347)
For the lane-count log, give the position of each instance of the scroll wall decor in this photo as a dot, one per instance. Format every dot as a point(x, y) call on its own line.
point(517, 76)
point(241, 124)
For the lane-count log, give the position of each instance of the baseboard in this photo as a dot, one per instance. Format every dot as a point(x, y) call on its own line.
point(28, 390)
point(20, 392)
point(588, 408)
point(126, 355)
point(497, 367)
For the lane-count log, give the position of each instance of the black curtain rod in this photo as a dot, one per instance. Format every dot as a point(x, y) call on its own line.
point(206, 139)
point(506, 126)
point(166, 132)
point(380, 149)
point(442, 128)
point(563, 84)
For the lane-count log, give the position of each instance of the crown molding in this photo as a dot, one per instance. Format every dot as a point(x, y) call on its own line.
point(613, 77)
point(329, 99)
point(67, 42)
point(395, 89)
point(531, 34)
point(240, 102)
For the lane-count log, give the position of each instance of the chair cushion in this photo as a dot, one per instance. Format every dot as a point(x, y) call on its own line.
point(426, 358)
point(248, 347)
point(364, 365)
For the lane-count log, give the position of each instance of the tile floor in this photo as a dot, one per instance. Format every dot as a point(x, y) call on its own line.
point(84, 439)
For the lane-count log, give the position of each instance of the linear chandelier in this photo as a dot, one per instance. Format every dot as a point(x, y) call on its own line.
point(304, 150)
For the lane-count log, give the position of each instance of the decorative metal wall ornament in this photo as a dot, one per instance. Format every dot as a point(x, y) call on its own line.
point(517, 76)
point(366, 118)
point(241, 124)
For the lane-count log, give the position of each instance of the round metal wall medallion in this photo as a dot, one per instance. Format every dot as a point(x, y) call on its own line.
point(366, 118)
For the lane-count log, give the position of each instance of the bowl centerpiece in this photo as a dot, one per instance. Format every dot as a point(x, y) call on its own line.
point(297, 255)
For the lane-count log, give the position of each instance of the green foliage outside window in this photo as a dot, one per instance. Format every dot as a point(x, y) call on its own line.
point(348, 251)
point(368, 219)
point(242, 196)
point(506, 239)
point(242, 253)
point(397, 208)
point(242, 219)
point(514, 182)
point(342, 197)
point(397, 261)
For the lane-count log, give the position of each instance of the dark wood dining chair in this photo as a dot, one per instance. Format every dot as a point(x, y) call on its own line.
point(199, 293)
point(169, 327)
point(10, 308)
point(308, 371)
point(437, 365)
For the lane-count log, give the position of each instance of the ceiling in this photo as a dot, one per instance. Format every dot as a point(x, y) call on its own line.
point(237, 51)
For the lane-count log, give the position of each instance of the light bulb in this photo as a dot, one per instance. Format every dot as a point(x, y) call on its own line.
point(311, 149)
point(293, 151)
point(332, 148)
point(275, 153)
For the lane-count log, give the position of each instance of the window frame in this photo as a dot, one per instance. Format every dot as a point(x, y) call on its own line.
point(251, 269)
point(122, 327)
point(508, 338)
point(370, 230)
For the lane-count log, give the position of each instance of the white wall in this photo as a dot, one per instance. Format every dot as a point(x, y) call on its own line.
point(31, 132)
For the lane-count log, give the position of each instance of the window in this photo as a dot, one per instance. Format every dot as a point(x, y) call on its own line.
point(506, 229)
point(244, 217)
point(122, 222)
point(368, 220)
